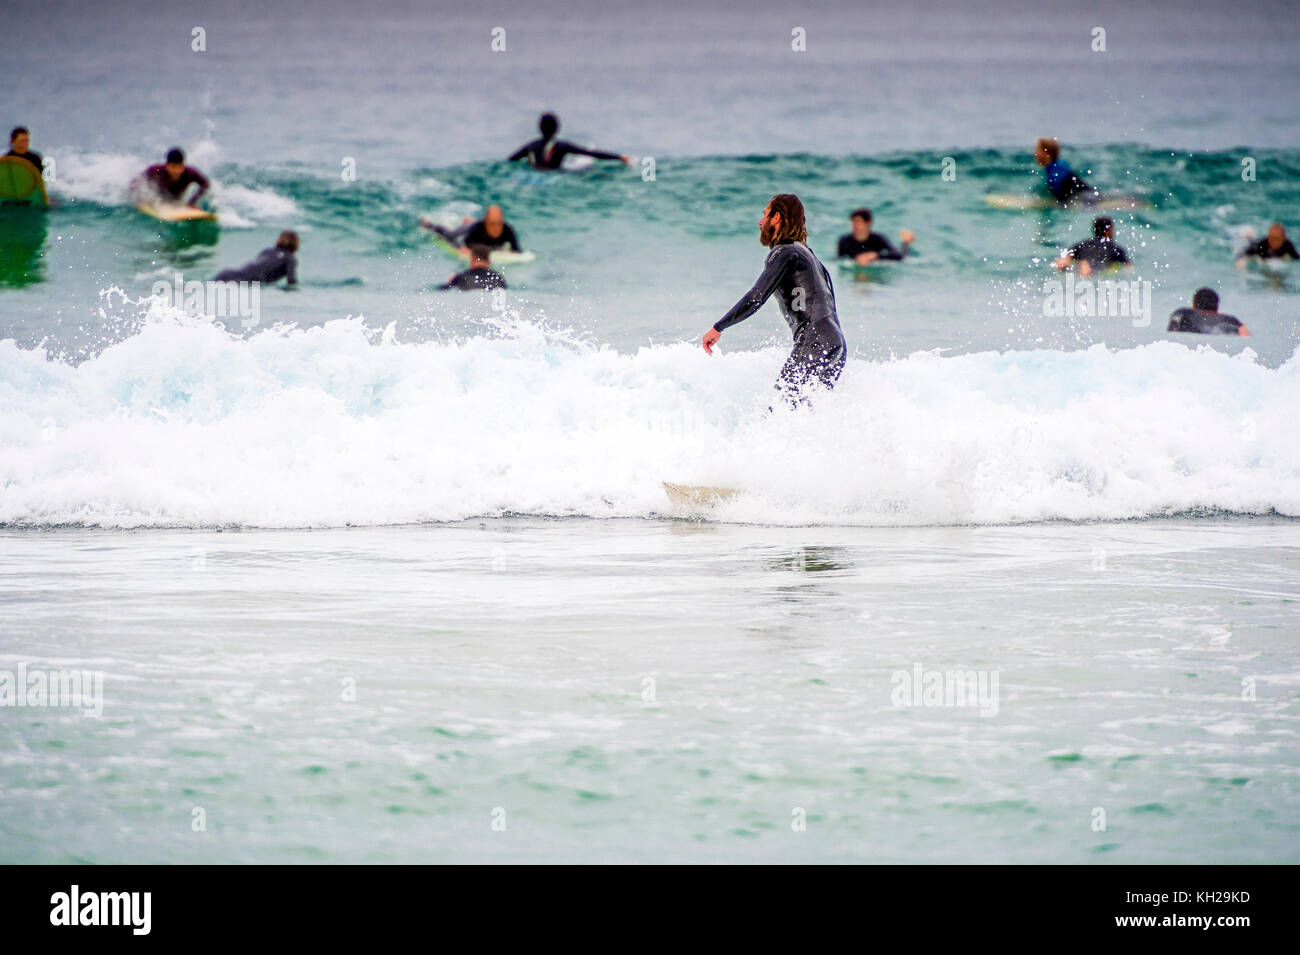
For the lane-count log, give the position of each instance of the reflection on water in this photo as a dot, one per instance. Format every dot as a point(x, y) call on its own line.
point(22, 239)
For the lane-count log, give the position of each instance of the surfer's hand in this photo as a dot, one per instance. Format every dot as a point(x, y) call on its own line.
point(908, 236)
point(1084, 268)
point(628, 160)
point(710, 339)
point(866, 258)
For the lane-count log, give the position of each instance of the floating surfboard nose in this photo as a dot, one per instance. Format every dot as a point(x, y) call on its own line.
point(698, 495)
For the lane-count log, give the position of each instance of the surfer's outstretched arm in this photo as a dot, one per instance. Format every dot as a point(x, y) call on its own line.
point(753, 300)
point(519, 153)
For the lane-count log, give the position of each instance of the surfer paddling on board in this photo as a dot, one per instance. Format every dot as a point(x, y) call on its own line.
point(548, 152)
point(806, 297)
point(492, 231)
point(1062, 183)
point(170, 179)
point(1275, 245)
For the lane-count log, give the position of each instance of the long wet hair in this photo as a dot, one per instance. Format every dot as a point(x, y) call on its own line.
point(793, 226)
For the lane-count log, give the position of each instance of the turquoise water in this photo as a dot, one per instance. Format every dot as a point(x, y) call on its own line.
point(388, 566)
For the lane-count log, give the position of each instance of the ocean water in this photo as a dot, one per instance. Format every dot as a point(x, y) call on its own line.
point(388, 574)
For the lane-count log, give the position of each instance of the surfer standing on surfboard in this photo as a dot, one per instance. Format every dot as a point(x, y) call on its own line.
point(170, 179)
point(806, 296)
point(548, 152)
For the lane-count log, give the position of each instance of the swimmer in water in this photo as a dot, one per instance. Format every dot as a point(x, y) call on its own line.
point(479, 275)
point(1062, 183)
point(548, 152)
point(805, 294)
point(1097, 253)
point(1274, 246)
point(864, 246)
point(271, 265)
point(492, 231)
point(1204, 317)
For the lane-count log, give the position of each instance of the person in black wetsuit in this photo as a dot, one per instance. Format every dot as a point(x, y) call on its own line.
point(492, 231)
point(1097, 253)
point(864, 246)
point(271, 265)
point(1275, 246)
point(1062, 183)
point(548, 152)
point(478, 276)
point(1204, 317)
point(805, 294)
point(19, 140)
point(169, 180)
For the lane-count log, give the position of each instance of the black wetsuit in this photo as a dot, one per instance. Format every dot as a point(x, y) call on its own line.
point(477, 234)
point(807, 301)
point(156, 176)
point(32, 157)
point(875, 242)
point(549, 154)
point(1265, 251)
point(1203, 323)
point(1099, 253)
point(472, 280)
point(271, 265)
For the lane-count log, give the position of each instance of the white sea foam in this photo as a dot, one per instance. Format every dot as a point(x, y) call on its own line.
point(183, 424)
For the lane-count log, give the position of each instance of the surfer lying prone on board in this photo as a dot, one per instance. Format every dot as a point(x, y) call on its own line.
point(271, 265)
point(169, 180)
point(1095, 254)
point(806, 297)
point(479, 275)
point(1062, 183)
point(493, 231)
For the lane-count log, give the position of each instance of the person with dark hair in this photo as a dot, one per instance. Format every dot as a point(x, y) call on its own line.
point(1204, 317)
point(1097, 253)
point(1273, 246)
point(492, 231)
point(479, 276)
point(170, 179)
point(1062, 183)
point(864, 246)
point(548, 152)
point(19, 141)
point(271, 265)
point(805, 294)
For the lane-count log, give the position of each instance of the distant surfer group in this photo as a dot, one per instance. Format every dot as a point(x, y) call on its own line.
point(791, 271)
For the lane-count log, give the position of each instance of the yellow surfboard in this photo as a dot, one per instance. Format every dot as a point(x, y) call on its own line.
point(20, 180)
point(698, 496)
point(1003, 201)
point(175, 212)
